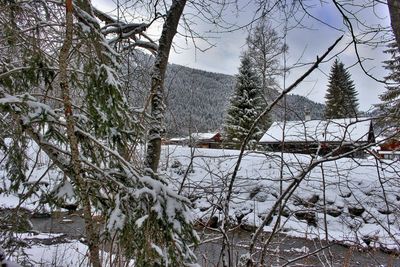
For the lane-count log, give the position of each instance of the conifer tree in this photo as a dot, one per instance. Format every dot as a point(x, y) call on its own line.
point(390, 105)
point(264, 48)
point(245, 106)
point(84, 134)
point(341, 96)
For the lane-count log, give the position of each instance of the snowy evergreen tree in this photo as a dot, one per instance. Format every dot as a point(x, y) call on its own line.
point(264, 50)
point(61, 93)
point(390, 105)
point(341, 96)
point(245, 106)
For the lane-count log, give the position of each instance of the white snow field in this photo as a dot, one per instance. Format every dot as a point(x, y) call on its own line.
point(362, 196)
point(360, 199)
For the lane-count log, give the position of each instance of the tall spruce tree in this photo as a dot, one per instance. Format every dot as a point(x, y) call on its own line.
point(245, 106)
point(341, 96)
point(390, 105)
point(265, 47)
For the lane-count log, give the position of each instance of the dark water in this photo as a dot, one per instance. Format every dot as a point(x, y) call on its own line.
point(70, 224)
point(281, 251)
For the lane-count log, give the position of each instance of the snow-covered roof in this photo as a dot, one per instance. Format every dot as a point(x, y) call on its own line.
point(203, 136)
point(178, 139)
point(347, 130)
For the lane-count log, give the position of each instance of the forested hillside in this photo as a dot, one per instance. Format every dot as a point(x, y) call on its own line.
point(197, 101)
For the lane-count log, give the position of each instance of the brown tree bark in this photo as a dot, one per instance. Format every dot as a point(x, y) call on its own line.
point(394, 11)
point(157, 84)
point(90, 225)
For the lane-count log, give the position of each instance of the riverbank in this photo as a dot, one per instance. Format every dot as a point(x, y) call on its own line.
point(284, 250)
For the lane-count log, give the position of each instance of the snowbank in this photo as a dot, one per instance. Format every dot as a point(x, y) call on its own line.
point(360, 199)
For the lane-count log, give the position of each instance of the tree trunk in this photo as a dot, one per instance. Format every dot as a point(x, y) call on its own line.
point(394, 10)
point(157, 84)
point(90, 225)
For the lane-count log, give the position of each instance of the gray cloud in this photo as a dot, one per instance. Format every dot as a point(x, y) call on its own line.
point(305, 43)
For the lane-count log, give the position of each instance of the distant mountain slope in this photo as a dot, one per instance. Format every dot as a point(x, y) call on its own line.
point(197, 101)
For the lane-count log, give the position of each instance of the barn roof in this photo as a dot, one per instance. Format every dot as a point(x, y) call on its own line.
point(348, 130)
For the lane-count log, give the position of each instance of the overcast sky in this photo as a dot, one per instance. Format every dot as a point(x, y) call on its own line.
point(304, 46)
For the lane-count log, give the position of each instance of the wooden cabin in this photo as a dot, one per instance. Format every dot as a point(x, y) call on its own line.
point(206, 140)
point(390, 149)
point(319, 136)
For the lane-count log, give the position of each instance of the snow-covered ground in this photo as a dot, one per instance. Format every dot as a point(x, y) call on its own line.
point(42, 250)
point(70, 253)
point(362, 197)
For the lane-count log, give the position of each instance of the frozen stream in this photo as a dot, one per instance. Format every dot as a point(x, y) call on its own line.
point(282, 249)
